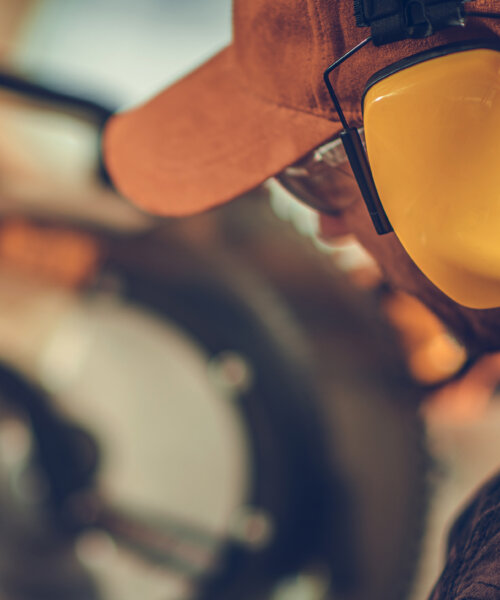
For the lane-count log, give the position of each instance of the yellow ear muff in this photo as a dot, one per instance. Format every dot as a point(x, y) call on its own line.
point(433, 141)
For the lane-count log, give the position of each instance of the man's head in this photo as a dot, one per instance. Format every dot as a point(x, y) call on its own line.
point(261, 105)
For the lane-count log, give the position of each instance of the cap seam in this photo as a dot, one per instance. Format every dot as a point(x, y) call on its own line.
point(353, 114)
point(321, 33)
point(310, 11)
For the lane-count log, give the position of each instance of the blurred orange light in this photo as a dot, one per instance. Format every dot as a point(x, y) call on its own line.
point(61, 256)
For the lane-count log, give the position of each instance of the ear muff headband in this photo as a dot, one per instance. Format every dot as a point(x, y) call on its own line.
point(432, 128)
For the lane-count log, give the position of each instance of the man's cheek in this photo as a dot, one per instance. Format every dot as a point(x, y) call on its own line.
point(332, 227)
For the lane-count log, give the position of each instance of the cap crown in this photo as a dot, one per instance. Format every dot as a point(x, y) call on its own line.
point(283, 47)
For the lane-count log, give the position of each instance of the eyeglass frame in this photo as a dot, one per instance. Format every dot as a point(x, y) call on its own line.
point(356, 154)
point(310, 172)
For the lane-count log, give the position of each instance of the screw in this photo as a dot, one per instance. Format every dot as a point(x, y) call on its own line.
point(231, 372)
point(252, 527)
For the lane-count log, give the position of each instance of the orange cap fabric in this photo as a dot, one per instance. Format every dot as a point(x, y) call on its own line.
point(256, 107)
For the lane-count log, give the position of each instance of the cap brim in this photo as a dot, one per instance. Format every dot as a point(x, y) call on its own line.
point(204, 141)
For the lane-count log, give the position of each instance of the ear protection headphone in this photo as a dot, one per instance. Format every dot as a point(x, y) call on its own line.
point(431, 169)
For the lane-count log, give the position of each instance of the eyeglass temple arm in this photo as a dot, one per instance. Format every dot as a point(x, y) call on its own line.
point(362, 172)
point(356, 154)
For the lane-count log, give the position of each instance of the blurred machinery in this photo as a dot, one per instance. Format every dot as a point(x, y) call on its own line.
point(251, 430)
point(208, 396)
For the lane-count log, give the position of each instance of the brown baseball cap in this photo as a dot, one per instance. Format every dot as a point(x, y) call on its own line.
point(256, 107)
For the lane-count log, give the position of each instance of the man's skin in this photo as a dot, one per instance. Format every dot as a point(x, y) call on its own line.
point(479, 330)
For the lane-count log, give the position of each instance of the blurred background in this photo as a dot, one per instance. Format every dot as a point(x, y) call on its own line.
point(220, 407)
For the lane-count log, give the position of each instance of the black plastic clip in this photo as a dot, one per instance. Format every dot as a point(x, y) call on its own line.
point(393, 20)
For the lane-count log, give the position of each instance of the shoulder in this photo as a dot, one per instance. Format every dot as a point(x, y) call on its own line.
point(472, 570)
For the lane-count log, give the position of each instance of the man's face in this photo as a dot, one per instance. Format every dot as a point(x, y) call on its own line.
point(478, 329)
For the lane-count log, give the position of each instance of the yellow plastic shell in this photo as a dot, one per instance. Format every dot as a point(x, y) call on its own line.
point(433, 141)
